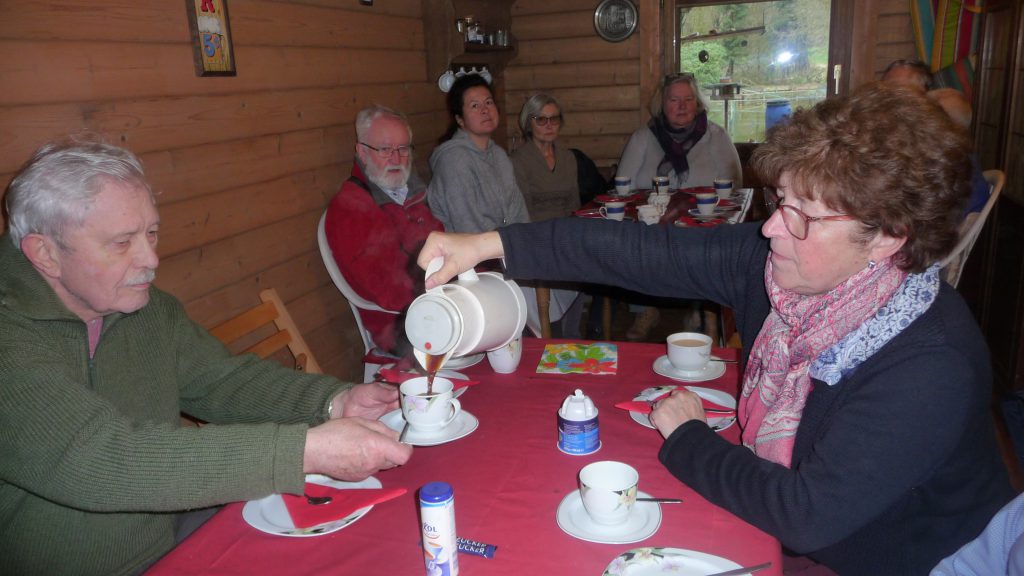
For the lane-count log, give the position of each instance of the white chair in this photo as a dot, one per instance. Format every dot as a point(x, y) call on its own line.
point(371, 363)
point(970, 228)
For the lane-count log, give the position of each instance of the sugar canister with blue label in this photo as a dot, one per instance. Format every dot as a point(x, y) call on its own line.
point(437, 521)
point(578, 431)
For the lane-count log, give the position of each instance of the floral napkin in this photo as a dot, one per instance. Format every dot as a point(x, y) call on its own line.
point(597, 358)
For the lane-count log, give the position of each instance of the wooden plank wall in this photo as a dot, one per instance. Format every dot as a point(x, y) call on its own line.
point(243, 165)
point(598, 81)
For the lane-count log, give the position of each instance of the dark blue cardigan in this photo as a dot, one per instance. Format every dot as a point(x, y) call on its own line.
point(894, 467)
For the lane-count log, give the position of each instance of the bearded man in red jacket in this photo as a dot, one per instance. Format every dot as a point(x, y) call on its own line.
point(378, 221)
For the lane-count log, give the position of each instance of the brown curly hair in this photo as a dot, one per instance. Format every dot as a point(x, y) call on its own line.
point(885, 155)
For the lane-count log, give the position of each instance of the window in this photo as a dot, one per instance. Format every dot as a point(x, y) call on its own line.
point(756, 61)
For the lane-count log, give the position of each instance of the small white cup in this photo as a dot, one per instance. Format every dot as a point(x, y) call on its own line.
point(660, 184)
point(648, 214)
point(623, 185)
point(689, 351)
point(428, 413)
point(506, 359)
point(608, 490)
point(706, 203)
point(613, 210)
point(723, 187)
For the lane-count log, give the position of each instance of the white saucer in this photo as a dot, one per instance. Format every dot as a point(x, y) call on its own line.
point(642, 523)
point(464, 361)
point(463, 425)
point(716, 396)
point(660, 561)
point(270, 515)
point(665, 368)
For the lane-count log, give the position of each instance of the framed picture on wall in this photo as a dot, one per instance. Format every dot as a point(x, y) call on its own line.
point(211, 37)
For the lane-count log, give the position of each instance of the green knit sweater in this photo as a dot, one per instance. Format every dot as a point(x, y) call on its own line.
point(93, 460)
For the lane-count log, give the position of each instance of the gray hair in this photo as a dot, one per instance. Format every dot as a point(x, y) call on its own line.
point(657, 101)
point(366, 116)
point(55, 189)
point(534, 104)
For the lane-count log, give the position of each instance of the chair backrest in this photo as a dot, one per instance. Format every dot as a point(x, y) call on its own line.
point(356, 301)
point(271, 311)
point(970, 228)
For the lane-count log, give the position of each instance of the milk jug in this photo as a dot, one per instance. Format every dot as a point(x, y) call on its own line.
point(478, 312)
point(578, 431)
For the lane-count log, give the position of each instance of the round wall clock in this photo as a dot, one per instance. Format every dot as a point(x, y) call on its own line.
point(615, 20)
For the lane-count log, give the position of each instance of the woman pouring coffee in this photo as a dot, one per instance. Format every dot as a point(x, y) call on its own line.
point(868, 443)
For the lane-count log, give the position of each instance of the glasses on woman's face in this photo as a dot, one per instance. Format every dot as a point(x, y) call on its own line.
point(793, 218)
point(555, 120)
point(385, 152)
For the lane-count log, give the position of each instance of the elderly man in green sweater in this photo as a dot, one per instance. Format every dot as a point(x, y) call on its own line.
point(96, 364)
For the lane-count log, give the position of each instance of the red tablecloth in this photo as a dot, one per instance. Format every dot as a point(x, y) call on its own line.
point(509, 478)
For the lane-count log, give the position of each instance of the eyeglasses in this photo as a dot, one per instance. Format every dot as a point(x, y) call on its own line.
point(795, 220)
point(670, 78)
point(385, 152)
point(555, 120)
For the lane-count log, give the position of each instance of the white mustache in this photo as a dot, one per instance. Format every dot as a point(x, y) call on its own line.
point(145, 277)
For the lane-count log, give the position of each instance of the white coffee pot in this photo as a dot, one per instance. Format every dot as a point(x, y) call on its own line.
point(476, 313)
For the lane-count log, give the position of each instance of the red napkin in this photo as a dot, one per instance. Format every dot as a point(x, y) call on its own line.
point(694, 223)
point(393, 376)
point(343, 503)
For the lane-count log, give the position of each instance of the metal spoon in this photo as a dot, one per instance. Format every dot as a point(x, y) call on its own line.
point(661, 500)
point(317, 500)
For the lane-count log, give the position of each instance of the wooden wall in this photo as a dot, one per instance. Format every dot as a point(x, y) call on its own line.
point(243, 165)
point(598, 82)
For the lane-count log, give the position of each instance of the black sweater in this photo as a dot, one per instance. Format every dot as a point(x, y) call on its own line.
point(894, 467)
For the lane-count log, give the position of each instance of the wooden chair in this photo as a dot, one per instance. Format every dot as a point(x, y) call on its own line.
point(970, 229)
point(287, 335)
point(543, 310)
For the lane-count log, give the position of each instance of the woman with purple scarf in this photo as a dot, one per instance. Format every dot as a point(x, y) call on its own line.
point(868, 444)
point(681, 143)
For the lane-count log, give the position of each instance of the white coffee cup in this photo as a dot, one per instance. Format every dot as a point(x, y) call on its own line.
point(648, 214)
point(506, 359)
point(613, 210)
point(623, 185)
point(428, 412)
point(608, 490)
point(706, 203)
point(660, 184)
point(689, 351)
point(723, 187)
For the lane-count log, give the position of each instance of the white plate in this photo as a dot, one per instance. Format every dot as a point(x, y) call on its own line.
point(660, 561)
point(642, 523)
point(463, 425)
point(464, 361)
point(716, 396)
point(270, 515)
point(665, 368)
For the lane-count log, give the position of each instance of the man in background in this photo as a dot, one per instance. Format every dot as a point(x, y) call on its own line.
point(913, 73)
point(378, 221)
point(96, 364)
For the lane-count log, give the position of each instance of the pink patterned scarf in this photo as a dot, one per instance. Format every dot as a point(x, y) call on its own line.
point(797, 330)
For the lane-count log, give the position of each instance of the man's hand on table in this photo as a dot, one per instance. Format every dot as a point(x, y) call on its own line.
point(351, 449)
point(369, 401)
point(677, 409)
point(460, 252)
